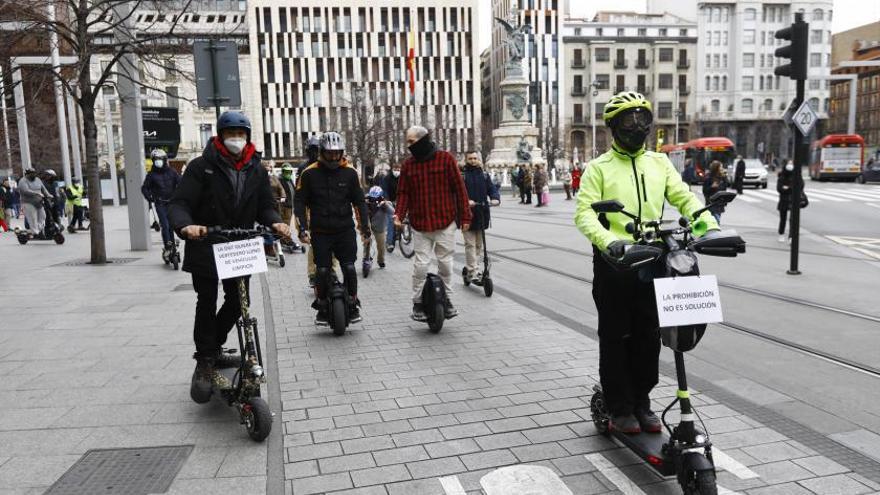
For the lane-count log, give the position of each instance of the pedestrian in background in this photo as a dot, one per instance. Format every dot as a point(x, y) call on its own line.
point(784, 186)
point(566, 184)
point(527, 177)
point(539, 182)
point(576, 180)
point(739, 174)
point(74, 199)
point(389, 189)
point(716, 181)
point(519, 176)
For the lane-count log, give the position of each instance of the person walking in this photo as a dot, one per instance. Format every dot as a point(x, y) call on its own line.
point(739, 174)
point(566, 183)
point(74, 198)
point(482, 192)
point(518, 176)
point(576, 180)
point(379, 210)
point(389, 189)
point(714, 182)
point(225, 187)
point(158, 188)
point(431, 192)
point(784, 186)
point(539, 182)
point(527, 183)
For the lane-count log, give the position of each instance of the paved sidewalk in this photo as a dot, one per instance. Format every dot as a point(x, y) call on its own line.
point(100, 357)
point(392, 408)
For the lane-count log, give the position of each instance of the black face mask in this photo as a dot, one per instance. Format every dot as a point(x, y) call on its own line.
point(312, 154)
point(331, 164)
point(421, 148)
point(630, 140)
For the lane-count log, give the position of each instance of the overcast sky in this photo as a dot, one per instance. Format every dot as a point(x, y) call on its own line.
point(847, 13)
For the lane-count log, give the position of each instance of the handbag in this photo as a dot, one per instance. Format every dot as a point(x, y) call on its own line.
point(804, 200)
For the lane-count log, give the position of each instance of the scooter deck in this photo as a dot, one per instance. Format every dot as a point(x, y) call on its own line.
point(649, 447)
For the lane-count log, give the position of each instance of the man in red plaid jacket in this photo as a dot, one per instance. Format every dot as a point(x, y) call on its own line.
point(432, 192)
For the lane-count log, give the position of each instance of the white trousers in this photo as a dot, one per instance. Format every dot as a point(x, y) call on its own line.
point(473, 249)
point(36, 217)
point(427, 246)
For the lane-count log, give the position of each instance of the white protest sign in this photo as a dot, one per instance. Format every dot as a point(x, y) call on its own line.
point(687, 300)
point(240, 258)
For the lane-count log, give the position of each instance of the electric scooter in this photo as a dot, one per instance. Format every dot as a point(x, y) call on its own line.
point(485, 279)
point(172, 256)
point(279, 252)
point(244, 395)
point(52, 231)
point(681, 450)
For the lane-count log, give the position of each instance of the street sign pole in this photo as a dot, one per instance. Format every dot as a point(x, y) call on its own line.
point(213, 49)
point(797, 188)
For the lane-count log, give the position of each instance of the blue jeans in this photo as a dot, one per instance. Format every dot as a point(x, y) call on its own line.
point(389, 235)
point(164, 223)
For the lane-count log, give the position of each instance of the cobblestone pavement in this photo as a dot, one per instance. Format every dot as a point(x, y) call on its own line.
point(392, 408)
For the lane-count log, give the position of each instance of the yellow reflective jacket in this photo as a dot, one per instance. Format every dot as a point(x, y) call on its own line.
point(643, 182)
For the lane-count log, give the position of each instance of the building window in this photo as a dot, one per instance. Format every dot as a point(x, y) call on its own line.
point(768, 105)
point(663, 31)
point(683, 33)
point(816, 36)
point(750, 14)
point(708, 83)
point(598, 31)
point(620, 32)
point(664, 81)
point(749, 37)
point(814, 102)
point(578, 113)
point(749, 59)
point(603, 54)
point(643, 32)
point(747, 105)
point(577, 31)
point(716, 105)
point(717, 59)
point(815, 60)
point(748, 83)
point(814, 83)
point(664, 110)
point(708, 60)
point(715, 83)
point(171, 97)
point(665, 54)
point(818, 15)
point(603, 81)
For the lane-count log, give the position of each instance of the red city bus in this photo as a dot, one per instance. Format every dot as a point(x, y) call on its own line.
point(837, 156)
point(702, 151)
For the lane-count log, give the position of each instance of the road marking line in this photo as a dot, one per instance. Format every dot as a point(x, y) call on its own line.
point(851, 196)
point(829, 197)
point(725, 491)
point(873, 205)
point(614, 475)
point(873, 254)
point(731, 465)
point(748, 200)
point(452, 486)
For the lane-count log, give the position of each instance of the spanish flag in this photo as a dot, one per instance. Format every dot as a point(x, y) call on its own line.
point(411, 64)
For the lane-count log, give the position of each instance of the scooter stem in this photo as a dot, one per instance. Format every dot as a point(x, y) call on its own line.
point(685, 431)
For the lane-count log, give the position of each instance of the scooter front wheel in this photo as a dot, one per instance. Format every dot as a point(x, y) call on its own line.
point(599, 413)
point(257, 419)
point(338, 318)
point(175, 261)
point(59, 238)
point(488, 287)
point(464, 277)
point(704, 484)
point(281, 260)
point(435, 323)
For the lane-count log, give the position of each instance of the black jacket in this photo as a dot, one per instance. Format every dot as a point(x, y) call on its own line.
point(213, 193)
point(160, 183)
point(389, 187)
point(324, 199)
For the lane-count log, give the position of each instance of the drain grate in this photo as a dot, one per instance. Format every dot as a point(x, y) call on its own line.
point(182, 287)
point(110, 261)
point(139, 471)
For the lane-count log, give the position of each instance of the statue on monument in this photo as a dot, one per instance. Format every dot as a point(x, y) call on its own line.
point(524, 150)
point(516, 40)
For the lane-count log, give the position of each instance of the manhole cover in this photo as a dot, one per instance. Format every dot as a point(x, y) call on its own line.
point(182, 287)
point(123, 471)
point(110, 261)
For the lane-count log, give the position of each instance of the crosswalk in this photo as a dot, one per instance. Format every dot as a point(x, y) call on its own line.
point(871, 196)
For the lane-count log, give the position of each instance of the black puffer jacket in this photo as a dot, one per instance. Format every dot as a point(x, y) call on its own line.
point(325, 197)
point(213, 193)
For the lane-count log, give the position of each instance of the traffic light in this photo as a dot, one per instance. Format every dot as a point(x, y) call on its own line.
point(661, 134)
point(796, 52)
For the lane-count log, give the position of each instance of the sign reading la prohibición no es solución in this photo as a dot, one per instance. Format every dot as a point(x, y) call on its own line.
point(688, 300)
point(240, 258)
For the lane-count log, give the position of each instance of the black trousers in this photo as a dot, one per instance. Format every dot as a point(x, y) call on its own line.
point(78, 214)
point(783, 214)
point(212, 327)
point(629, 340)
point(526, 195)
point(342, 246)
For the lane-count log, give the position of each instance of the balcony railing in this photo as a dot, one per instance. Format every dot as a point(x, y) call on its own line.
point(683, 64)
point(643, 90)
point(641, 64)
point(684, 90)
point(578, 91)
point(578, 120)
point(621, 64)
point(578, 64)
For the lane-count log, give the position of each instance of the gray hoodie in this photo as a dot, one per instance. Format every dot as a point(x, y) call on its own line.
point(32, 191)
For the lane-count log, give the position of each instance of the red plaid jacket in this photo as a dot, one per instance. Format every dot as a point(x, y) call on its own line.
point(432, 192)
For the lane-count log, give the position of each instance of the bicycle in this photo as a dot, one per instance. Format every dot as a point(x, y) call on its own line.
point(244, 394)
point(403, 237)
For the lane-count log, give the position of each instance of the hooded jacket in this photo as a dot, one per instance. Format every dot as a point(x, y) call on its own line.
point(643, 182)
point(213, 193)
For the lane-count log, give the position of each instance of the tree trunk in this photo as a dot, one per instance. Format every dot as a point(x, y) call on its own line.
point(93, 178)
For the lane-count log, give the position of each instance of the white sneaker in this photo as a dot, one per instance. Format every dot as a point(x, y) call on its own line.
point(782, 238)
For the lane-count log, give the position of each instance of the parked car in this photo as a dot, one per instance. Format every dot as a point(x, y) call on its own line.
point(756, 173)
point(870, 173)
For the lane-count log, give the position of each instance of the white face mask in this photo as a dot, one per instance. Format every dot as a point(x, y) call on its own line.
point(159, 163)
point(235, 145)
point(395, 173)
point(789, 167)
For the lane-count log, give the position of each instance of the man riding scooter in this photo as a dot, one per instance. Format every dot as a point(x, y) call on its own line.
point(159, 186)
point(33, 191)
point(629, 341)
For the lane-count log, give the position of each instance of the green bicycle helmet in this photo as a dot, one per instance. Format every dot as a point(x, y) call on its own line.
point(624, 101)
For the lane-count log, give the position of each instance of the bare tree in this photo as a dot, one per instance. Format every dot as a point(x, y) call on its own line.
point(554, 145)
point(87, 29)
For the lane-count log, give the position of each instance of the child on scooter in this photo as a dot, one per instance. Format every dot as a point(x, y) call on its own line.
point(379, 210)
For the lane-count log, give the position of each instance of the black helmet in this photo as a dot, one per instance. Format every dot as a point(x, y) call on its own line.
point(234, 119)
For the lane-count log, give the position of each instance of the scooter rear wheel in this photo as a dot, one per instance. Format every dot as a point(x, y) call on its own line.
point(464, 277)
point(338, 318)
point(281, 260)
point(435, 323)
point(175, 261)
point(22, 239)
point(488, 287)
point(258, 419)
point(59, 238)
point(704, 484)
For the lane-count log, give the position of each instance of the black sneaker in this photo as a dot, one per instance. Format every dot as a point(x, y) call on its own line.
point(322, 319)
point(418, 312)
point(625, 424)
point(227, 360)
point(205, 380)
point(382, 264)
point(648, 421)
point(312, 281)
point(355, 315)
point(451, 312)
